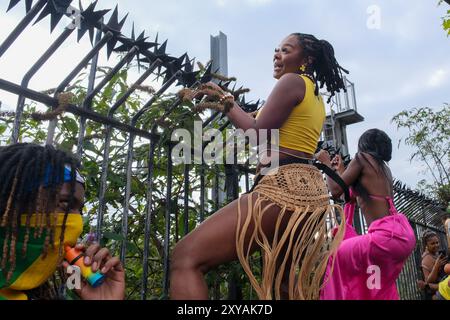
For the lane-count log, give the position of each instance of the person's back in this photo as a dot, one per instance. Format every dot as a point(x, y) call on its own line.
point(377, 182)
point(390, 239)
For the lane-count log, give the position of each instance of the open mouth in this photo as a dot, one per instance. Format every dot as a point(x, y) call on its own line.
point(277, 68)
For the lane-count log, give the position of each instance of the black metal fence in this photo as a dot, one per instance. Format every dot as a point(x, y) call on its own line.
point(175, 198)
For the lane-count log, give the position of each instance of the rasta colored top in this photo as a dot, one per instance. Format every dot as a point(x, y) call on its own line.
point(301, 131)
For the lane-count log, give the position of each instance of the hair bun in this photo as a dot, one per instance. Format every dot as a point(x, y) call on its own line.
point(385, 143)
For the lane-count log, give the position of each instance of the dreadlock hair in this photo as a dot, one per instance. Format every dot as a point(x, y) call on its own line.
point(23, 169)
point(378, 144)
point(427, 236)
point(325, 69)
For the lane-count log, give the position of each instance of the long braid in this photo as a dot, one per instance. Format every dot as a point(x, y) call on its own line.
point(41, 198)
point(325, 69)
point(70, 204)
point(6, 222)
point(51, 190)
point(22, 205)
point(15, 219)
point(32, 205)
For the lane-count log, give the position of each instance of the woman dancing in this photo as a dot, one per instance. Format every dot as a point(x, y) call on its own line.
point(285, 214)
point(366, 267)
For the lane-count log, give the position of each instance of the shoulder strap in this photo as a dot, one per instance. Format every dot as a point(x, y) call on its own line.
point(333, 175)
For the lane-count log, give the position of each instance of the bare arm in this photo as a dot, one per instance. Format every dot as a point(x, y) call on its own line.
point(434, 266)
point(287, 94)
point(349, 175)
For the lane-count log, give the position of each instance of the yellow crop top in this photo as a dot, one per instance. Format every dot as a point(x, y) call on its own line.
point(444, 288)
point(302, 129)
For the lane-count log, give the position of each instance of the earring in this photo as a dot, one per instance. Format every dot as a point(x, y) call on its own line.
point(303, 68)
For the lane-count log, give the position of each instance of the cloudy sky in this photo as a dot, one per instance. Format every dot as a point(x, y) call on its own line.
point(397, 62)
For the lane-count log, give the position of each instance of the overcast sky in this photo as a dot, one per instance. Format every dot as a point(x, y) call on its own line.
point(399, 62)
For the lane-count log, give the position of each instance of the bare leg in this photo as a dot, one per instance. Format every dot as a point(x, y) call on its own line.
point(208, 246)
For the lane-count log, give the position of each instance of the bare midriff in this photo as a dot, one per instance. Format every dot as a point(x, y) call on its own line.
point(282, 154)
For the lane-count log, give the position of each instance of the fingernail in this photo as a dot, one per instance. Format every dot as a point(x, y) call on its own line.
point(87, 260)
point(94, 266)
point(104, 270)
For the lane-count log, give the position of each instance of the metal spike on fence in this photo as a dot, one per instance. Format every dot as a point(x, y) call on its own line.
point(207, 77)
point(89, 19)
point(173, 67)
point(189, 64)
point(161, 50)
point(116, 28)
point(160, 53)
point(56, 9)
point(12, 4)
point(188, 79)
point(127, 43)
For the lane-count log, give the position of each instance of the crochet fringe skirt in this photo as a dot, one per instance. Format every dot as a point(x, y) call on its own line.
point(299, 190)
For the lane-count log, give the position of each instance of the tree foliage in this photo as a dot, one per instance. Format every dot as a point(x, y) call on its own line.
point(446, 18)
point(429, 135)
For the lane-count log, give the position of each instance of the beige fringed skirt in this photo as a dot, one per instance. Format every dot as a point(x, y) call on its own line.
point(306, 243)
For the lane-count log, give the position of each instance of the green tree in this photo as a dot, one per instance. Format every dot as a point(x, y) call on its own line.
point(446, 18)
point(429, 135)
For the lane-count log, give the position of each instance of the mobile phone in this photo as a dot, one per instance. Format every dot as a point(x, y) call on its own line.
point(443, 253)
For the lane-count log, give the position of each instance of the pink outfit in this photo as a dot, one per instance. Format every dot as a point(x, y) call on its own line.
point(389, 242)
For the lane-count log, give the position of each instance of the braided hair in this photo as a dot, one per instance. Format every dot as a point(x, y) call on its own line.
point(427, 236)
point(325, 69)
point(378, 144)
point(23, 170)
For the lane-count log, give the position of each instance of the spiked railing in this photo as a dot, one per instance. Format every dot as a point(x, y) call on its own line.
point(152, 59)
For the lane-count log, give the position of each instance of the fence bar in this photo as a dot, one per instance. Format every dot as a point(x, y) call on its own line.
point(186, 199)
point(91, 115)
point(148, 105)
point(21, 26)
point(29, 75)
point(83, 63)
point(90, 87)
point(202, 191)
point(167, 220)
point(112, 73)
point(109, 129)
point(129, 165)
point(133, 88)
point(103, 182)
point(216, 187)
point(148, 219)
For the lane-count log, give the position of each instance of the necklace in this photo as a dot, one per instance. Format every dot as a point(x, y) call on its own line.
point(308, 76)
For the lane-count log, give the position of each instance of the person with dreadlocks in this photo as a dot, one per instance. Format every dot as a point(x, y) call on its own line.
point(41, 201)
point(366, 267)
point(285, 213)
